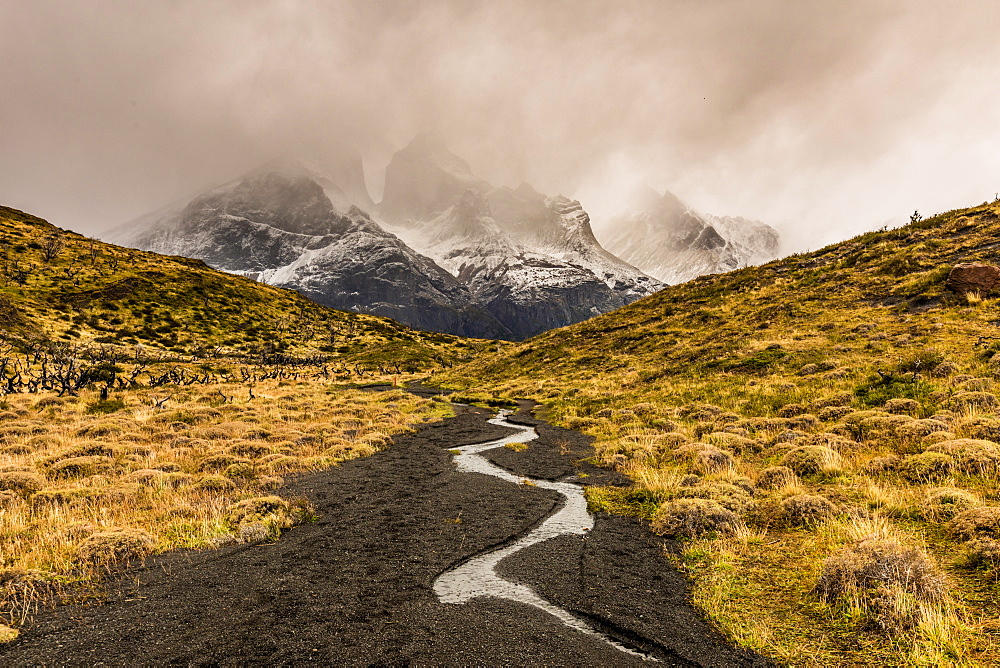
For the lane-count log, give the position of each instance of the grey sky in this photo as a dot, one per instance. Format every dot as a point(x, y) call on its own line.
point(823, 118)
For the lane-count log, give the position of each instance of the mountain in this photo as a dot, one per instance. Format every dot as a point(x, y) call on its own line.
point(279, 225)
point(60, 288)
point(803, 424)
point(532, 261)
point(667, 239)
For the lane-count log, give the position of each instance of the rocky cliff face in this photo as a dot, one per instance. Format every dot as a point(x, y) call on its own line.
point(673, 243)
point(281, 227)
point(532, 261)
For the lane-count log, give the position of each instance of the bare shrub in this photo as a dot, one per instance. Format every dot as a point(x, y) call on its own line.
point(885, 580)
point(691, 518)
point(806, 510)
point(776, 477)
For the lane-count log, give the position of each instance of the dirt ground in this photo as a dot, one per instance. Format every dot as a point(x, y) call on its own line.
point(355, 586)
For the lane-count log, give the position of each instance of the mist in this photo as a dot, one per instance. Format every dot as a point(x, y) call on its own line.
point(822, 119)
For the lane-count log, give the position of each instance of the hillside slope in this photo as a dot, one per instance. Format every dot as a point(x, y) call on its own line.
point(823, 430)
point(60, 286)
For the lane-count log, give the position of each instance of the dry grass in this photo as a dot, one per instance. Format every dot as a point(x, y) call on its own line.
point(84, 492)
point(849, 374)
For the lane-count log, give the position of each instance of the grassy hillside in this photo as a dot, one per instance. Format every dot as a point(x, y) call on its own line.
point(62, 287)
point(150, 403)
point(820, 432)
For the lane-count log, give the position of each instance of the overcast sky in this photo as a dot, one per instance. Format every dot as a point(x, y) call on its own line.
point(824, 119)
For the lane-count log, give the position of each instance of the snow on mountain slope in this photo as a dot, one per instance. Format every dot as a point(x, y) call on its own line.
point(668, 240)
point(282, 228)
point(532, 260)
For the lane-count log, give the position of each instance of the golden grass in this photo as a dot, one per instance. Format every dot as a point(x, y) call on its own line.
point(855, 360)
point(168, 473)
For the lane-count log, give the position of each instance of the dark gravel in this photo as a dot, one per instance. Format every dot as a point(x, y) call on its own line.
point(355, 586)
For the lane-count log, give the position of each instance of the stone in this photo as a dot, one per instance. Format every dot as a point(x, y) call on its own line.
point(973, 277)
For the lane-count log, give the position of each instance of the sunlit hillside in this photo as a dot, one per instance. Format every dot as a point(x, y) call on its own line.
point(821, 433)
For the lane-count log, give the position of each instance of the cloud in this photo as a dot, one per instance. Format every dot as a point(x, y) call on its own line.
point(824, 118)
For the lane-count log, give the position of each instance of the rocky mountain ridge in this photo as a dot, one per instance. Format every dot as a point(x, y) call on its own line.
point(670, 241)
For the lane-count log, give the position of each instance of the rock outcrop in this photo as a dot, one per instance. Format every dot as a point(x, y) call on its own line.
point(973, 277)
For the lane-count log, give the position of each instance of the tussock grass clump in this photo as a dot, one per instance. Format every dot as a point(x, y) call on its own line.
point(944, 504)
point(972, 456)
point(811, 460)
point(902, 406)
point(776, 477)
point(888, 583)
point(977, 522)
point(926, 467)
point(806, 510)
point(691, 518)
point(265, 517)
point(735, 497)
point(116, 546)
point(24, 483)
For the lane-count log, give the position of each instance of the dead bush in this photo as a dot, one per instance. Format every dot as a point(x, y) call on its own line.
point(776, 477)
point(806, 510)
point(691, 518)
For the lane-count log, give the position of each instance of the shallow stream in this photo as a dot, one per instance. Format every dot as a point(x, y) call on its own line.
point(477, 576)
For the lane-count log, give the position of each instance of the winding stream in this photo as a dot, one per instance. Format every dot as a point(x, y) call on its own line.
point(477, 576)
